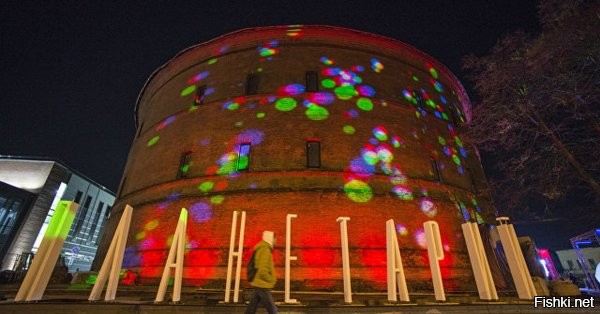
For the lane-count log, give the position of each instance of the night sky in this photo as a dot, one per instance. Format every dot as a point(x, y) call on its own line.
point(71, 71)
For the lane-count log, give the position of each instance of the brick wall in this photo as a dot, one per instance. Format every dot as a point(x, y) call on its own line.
point(377, 147)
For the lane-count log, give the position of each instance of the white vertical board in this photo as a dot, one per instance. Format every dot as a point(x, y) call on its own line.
point(113, 260)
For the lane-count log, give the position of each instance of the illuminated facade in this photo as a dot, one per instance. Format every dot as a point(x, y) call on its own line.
point(316, 121)
point(30, 189)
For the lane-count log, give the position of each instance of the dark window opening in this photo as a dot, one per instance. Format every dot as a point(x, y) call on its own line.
point(78, 197)
point(252, 84)
point(312, 81)
point(419, 98)
point(436, 170)
point(94, 225)
point(243, 161)
point(199, 97)
point(88, 201)
point(184, 165)
point(81, 214)
point(313, 154)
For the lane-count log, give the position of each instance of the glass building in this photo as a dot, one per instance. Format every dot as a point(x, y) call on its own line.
point(30, 189)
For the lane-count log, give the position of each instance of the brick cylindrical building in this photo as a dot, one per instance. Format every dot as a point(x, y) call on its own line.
point(316, 121)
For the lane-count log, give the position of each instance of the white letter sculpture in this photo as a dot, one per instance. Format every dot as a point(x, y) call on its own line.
point(288, 257)
point(38, 275)
point(175, 260)
point(233, 253)
point(516, 261)
point(395, 270)
point(345, 258)
point(436, 253)
point(113, 260)
point(479, 262)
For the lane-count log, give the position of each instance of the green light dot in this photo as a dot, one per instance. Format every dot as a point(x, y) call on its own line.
point(91, 279)
point(140, 235)
point(365, 104)
point(217, 199)
point(206, 186)
point(259, 70)
point(185, 168)
point(328, 83)
point(458, 141)
point(227, 168)
point(358, 191)
point(444, 116)
point(317, 113)
point(260, 115)
point(441, 140)
point(371, 158)
point(345, 92)
point(188, 90)
point(233, 106)
point(348, 129)
point(456, 159)
point(433, 72)
point(151, 225)
point(239, 124)
point(153, 141)
point(416, 79)
point(285, 104)
point(213, 61)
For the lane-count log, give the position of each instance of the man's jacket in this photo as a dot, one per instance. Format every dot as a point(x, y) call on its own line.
point(263, 261)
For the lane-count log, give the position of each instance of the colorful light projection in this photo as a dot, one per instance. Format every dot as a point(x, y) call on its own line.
point(346, 85)
point(294, 31)
point(376, 65)
point(470, 210)
point(375, 153)
point(453, 148)
point(151, 238)
point(153, 141)
point(268, 50)
point(380, 153)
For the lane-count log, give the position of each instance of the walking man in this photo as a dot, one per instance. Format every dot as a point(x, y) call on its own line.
point(264, 280)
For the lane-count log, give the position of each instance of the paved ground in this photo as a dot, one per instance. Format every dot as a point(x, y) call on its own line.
point(73, 299)
point(93, 308)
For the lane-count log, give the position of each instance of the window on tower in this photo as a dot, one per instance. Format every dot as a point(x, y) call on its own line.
point(199, 97)
point(436, 170)
point(184, 165)
point(252, 84)
point(243, 161)
point(313, 154)
point(312, 81)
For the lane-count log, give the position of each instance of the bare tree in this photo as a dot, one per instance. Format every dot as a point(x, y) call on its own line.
point(538, 117)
